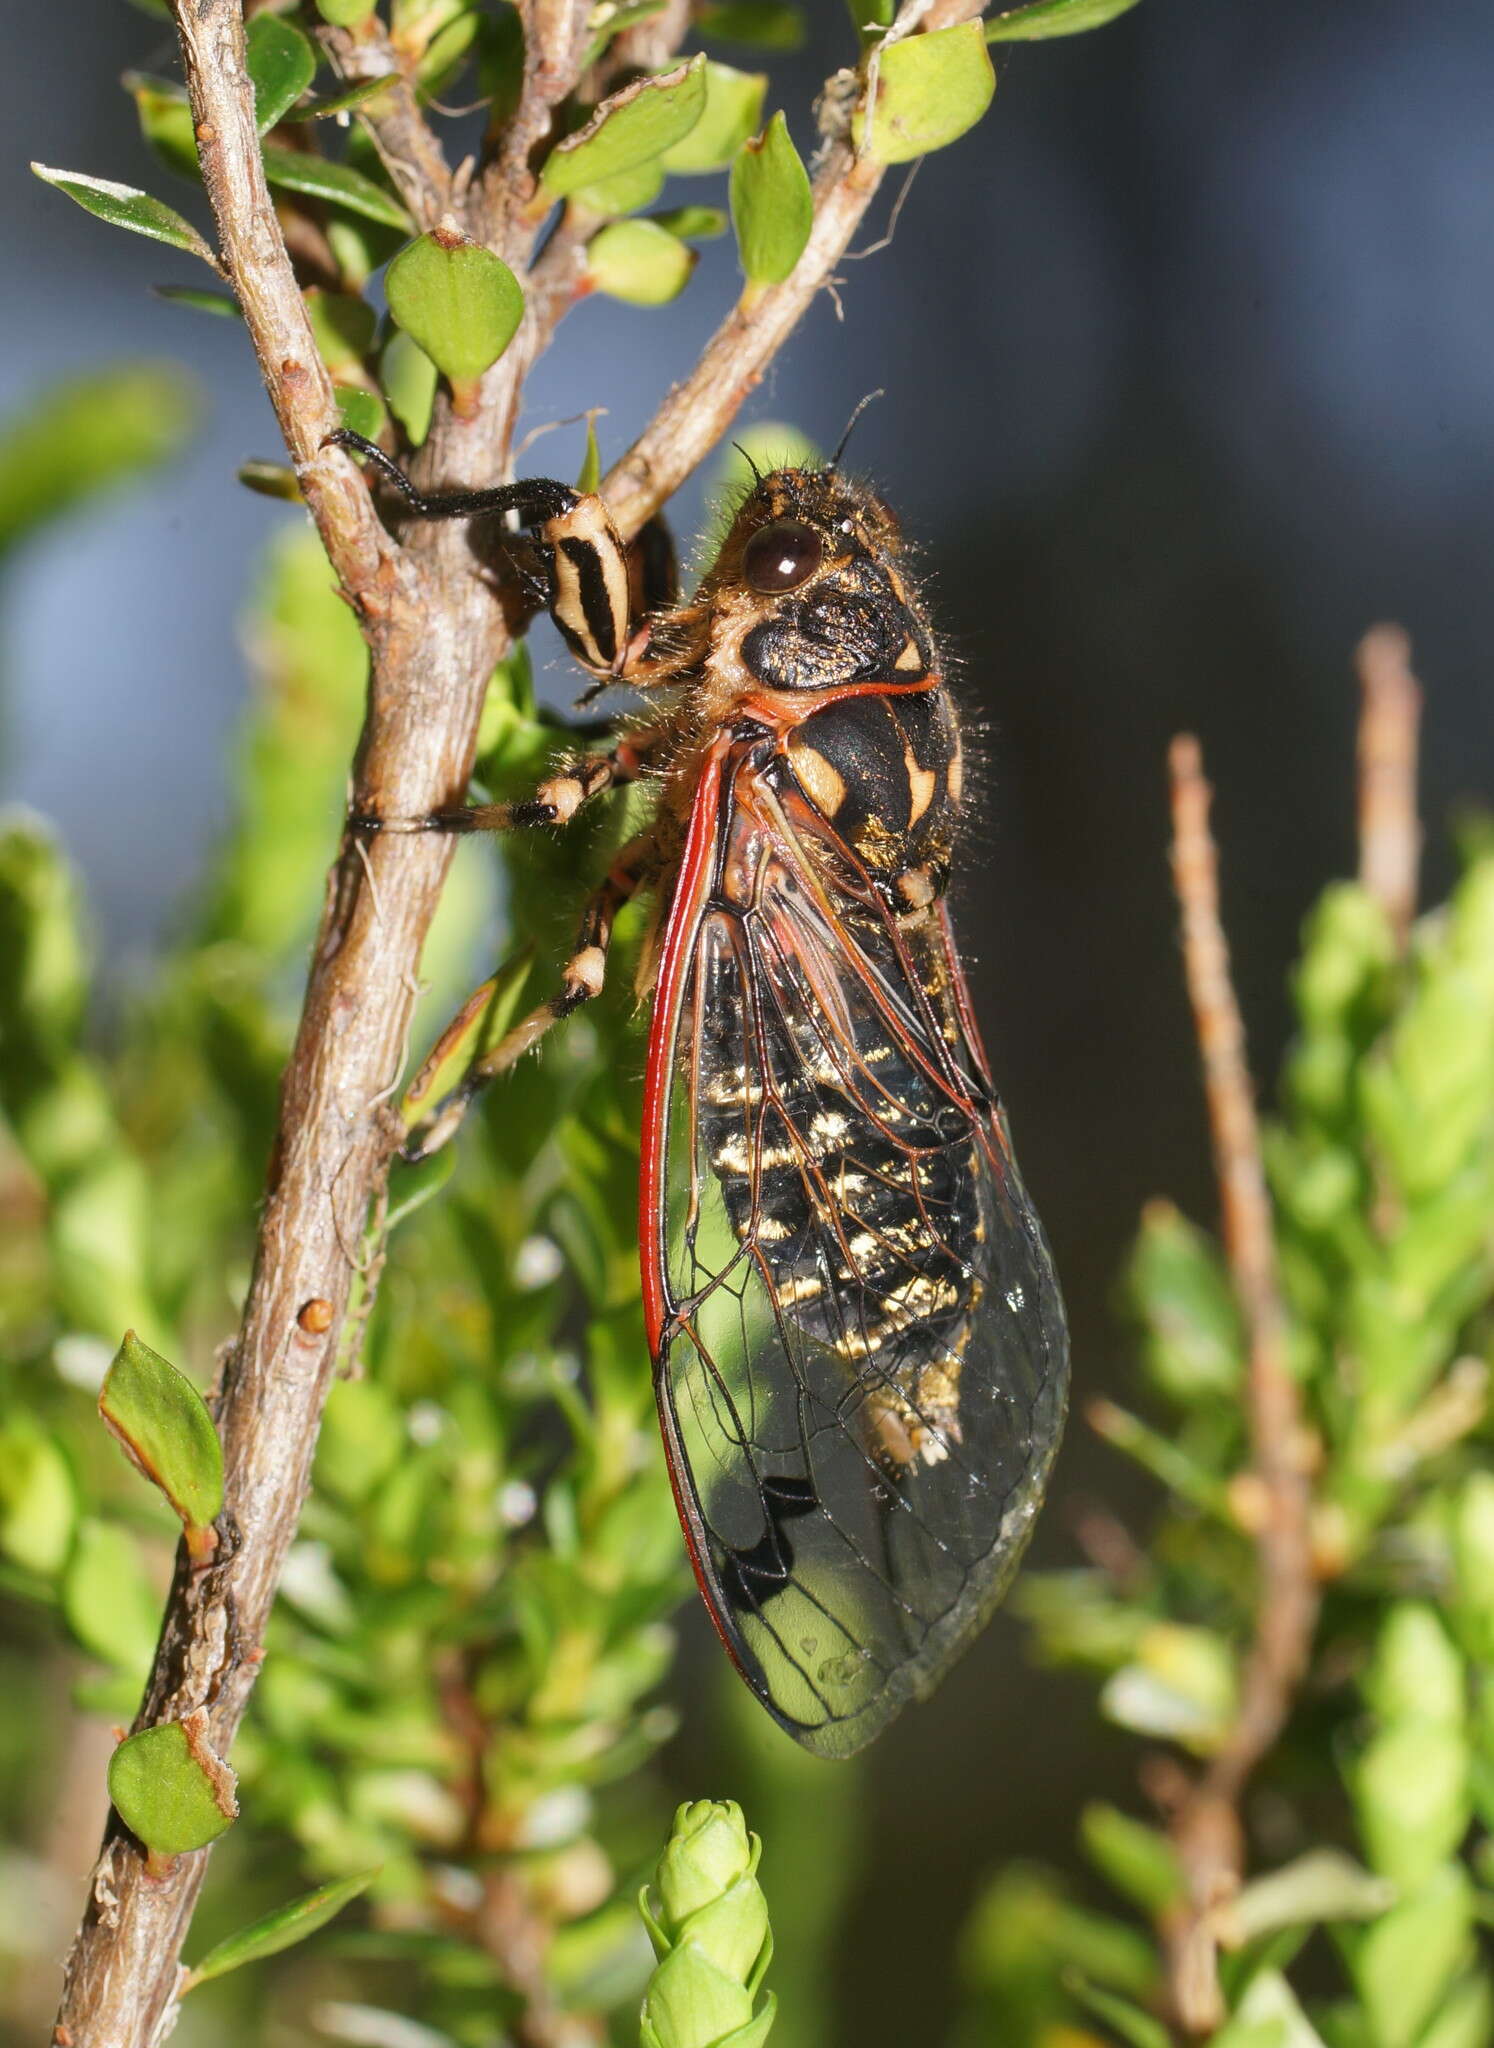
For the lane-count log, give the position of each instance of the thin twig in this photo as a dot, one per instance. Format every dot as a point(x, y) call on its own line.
point(406, 144)
point(1205, 1823)
point(1389, 828)
point(697, 412)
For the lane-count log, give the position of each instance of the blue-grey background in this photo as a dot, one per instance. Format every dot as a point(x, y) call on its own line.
point(1190, 379)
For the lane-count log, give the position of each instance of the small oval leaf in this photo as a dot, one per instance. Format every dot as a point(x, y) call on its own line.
point(163, 1426)
point(344, 13)
point(772, 207)
point(458, 300)
point(295, 170)
point(361, 410)
point(280, 1929)
point(733, 108)
point(640, 262)
point(632, 127)
point(1044, 18)
point(281, 64)
point(125, 207)
point(409, 379)
point(693, 223)
point(170, 1790)
point(930, 90)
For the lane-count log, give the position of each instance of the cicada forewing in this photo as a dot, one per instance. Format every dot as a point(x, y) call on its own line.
point(859, 1346)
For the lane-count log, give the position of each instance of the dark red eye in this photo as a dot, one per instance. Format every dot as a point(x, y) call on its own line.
point(780, 556)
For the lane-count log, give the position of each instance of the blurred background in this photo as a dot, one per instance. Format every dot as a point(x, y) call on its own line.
point(1188, 377)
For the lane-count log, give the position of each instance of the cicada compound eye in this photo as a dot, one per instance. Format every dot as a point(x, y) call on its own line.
point(781, 556)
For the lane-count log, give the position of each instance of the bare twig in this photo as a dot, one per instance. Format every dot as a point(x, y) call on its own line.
point(1389, 829)
point(697, 412)
point(409, 150)
point(1205, 1823)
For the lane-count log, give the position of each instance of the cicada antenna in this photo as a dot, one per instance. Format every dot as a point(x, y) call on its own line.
point(870, 399)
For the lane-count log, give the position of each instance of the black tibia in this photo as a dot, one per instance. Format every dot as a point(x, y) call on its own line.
point(885, 771)
point(535, 499)
point(851, 627)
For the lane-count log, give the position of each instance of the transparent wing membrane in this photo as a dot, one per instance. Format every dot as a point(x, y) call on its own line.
point(861, 1356)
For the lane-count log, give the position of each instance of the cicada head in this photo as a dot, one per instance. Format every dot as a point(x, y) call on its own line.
point(808, 592)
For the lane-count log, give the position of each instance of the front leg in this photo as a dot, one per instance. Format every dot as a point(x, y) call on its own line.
point(599, 587)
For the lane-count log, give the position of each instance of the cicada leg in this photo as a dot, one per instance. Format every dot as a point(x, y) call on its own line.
point(555, 802)
point(581, 979)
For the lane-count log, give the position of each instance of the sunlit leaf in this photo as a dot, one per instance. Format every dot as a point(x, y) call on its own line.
point(280, 1929)
point(123, 206)
point(295, 170)
point(1043, 18)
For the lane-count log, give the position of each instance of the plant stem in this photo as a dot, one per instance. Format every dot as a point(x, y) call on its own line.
point(1389, 829)
point(1205, 1822)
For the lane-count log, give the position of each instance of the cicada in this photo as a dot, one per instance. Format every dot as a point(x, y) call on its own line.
point(858, 1341)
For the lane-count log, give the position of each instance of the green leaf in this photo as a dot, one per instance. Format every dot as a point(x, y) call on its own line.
point(409, 379)
point(294, 170)
point(344, 327)
point(281, 63)
point(343, 102)
point(221, 304)
point(165, 122)
point(1044, 18)
point(38, 1500)
point(1269, 2016)
point(733, 108)
point(760, 24)
point(591, 463)
point(458, 300)
point(361, 410)
point(1404, 1962)
point(1181, 1686)
point(623, 194)
point(930, 90)
point(107, 1601)
point(1139, 1861)
point(772, 207)
point(270, 480)
point(280, 1929)
point(638, 261)
point(344, 13)
point(1176, 1285)
point(1135, 2027)
point(693, 223)
point(163, 1426)
point(631, 127)
point(170, 1790)
point(1322, 1885)
point(125, 207)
